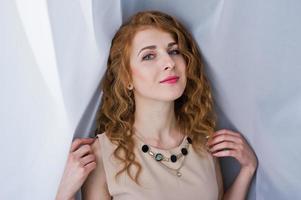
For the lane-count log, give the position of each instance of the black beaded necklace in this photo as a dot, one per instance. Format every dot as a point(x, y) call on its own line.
point(173, 158)
point(160, 158)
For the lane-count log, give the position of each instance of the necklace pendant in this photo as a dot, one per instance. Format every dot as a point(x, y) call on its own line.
point(159, 157)
point(179, 174)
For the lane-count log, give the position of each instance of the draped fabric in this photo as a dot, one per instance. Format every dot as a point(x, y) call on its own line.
point(53, 54)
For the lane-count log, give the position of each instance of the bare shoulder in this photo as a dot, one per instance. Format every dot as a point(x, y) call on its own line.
point(219, 177)
point(97, 151)
point(95, 186)
point(96, 145)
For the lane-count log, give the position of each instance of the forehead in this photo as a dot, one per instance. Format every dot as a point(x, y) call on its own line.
point(151, 36)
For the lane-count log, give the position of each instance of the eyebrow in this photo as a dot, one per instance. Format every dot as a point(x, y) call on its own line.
point(154, 47)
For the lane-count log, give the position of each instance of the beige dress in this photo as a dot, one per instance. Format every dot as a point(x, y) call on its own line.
point(200, 176)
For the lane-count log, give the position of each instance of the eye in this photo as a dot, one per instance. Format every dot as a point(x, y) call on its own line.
point(174, 52)
point(148, 57)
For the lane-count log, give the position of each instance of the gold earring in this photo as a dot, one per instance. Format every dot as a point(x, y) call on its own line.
point(130, 86)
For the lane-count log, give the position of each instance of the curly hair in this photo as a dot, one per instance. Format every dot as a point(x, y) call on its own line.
point(194, 109)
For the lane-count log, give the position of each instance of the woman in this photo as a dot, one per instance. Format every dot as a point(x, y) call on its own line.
point(158, 121)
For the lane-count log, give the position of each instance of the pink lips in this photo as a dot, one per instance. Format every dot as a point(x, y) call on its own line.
point(170, 79)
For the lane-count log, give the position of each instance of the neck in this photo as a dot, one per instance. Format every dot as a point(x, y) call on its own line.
point(156, 123)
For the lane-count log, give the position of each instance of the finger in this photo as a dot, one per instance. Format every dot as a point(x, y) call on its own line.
point(80, 141)
point(224, 137)
point(223, 146)
point(88, 159)
point(83, 150)
point(226, 131)
point(91, 166)
point(225, 153)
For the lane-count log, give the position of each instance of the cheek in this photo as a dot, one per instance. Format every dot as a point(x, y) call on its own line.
point(180, 61)
point(138, 75)
point(182, 65)
point(141, 79)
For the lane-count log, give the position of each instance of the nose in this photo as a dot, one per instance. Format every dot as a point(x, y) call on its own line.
point(168, 63)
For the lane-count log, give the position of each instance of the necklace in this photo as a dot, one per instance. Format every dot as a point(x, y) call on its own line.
point(160, 158)
point(175, 171)
point(173, 158)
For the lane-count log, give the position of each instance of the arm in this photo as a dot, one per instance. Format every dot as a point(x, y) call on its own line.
point(239, 188)
point(228, 143)
point(219, 179)
point(79, 164)
point(95, 187)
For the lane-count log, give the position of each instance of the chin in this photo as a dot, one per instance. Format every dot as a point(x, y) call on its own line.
point(172, 97)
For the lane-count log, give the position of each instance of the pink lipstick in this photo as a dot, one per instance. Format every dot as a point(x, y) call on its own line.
point(170, 79)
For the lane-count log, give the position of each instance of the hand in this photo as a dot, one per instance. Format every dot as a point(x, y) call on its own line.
point(81, 161)
point(228, 143)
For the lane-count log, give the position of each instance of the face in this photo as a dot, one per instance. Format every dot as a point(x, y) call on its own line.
point(157, 66)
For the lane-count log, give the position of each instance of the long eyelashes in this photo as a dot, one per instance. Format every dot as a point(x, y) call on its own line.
point(174, 52)
point(152, 56)
point(148, 57)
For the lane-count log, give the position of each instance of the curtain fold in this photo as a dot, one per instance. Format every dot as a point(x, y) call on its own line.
point(53, 55)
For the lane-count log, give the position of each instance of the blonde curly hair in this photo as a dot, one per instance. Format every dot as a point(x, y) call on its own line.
point(193, 110)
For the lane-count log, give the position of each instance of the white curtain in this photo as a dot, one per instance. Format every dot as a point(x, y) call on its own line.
point(53, 54)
